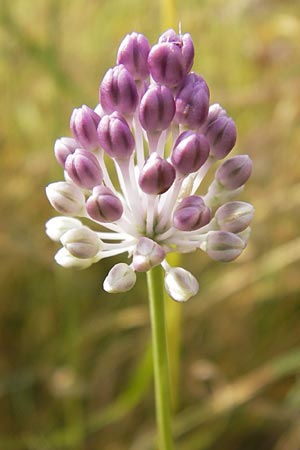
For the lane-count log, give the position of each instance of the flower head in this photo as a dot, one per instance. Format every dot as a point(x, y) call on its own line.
point(149, 99)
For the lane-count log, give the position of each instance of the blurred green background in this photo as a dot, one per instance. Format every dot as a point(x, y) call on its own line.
point(75, 367)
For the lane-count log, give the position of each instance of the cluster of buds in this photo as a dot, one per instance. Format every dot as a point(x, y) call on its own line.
point(154, 122)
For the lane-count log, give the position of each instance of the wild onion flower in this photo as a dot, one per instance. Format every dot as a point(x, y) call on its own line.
point(154, 123)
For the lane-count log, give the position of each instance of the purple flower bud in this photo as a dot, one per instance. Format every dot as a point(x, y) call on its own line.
point(133, 54)
point(157, 108)
point(188, 50)
point(169, 35)
point(234, 172)
point(83, 124)
point(66, 198)
point(121, 278)
point(64, 147)
point(81, 242)
point(147, 254)
point(180, 284)
point(118, 91)
point(103, 205)
point(166, 64)
point(84, 169)
point(224, 246)
point(234, 216)
point(190, 152)
point(192, 102)
point(157, 175)
point(191, 214)
point(220, 131)
point(184, 42)
point(194, 78)
point(115, 136)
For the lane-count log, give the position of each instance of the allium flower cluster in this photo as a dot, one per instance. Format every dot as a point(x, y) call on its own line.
point(134, 165)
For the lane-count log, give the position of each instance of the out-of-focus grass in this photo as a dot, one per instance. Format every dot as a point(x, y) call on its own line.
point(75, 370)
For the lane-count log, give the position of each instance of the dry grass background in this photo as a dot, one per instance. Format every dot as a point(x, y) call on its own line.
point(75, 370)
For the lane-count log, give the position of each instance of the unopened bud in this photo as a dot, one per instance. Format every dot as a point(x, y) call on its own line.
point(118, 91)
point(65, 259)
point(157, 108)
point(121, 278)
point(147, 254)
point(57, 226)
point(133, 54)
point(191, 214)
point(190, 152)
point(180, 284)
point(184, 42)
point(115, 136)
point(234, 216)
point(166, 64)
point(83, 123)
point(220, 131)
point(64, 147)
point(234, 172)
point(103, 205)
point(66, 198)
point(84, 169)
point(192, 102)
point(223, 246)
point(157, 175)
point(81, 242)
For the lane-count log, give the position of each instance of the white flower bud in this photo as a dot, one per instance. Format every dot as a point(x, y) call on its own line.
point(223, 246)
point(66, 198)
point(180, 284)
point(234, 216)
point(57, 226)
point(81, 242)
point(65, 259)
point(148, 254)
point(121, 278)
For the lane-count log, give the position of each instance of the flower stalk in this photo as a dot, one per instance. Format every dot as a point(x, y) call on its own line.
point(160, 358)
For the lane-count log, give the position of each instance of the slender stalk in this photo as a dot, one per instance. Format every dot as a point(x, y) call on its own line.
point(160, 358)
point(174, 324)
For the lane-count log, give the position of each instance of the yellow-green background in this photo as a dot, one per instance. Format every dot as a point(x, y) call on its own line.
point(75, 370)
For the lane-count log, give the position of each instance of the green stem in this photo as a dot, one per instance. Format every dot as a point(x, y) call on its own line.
point(160, 357)
point(174, 337)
